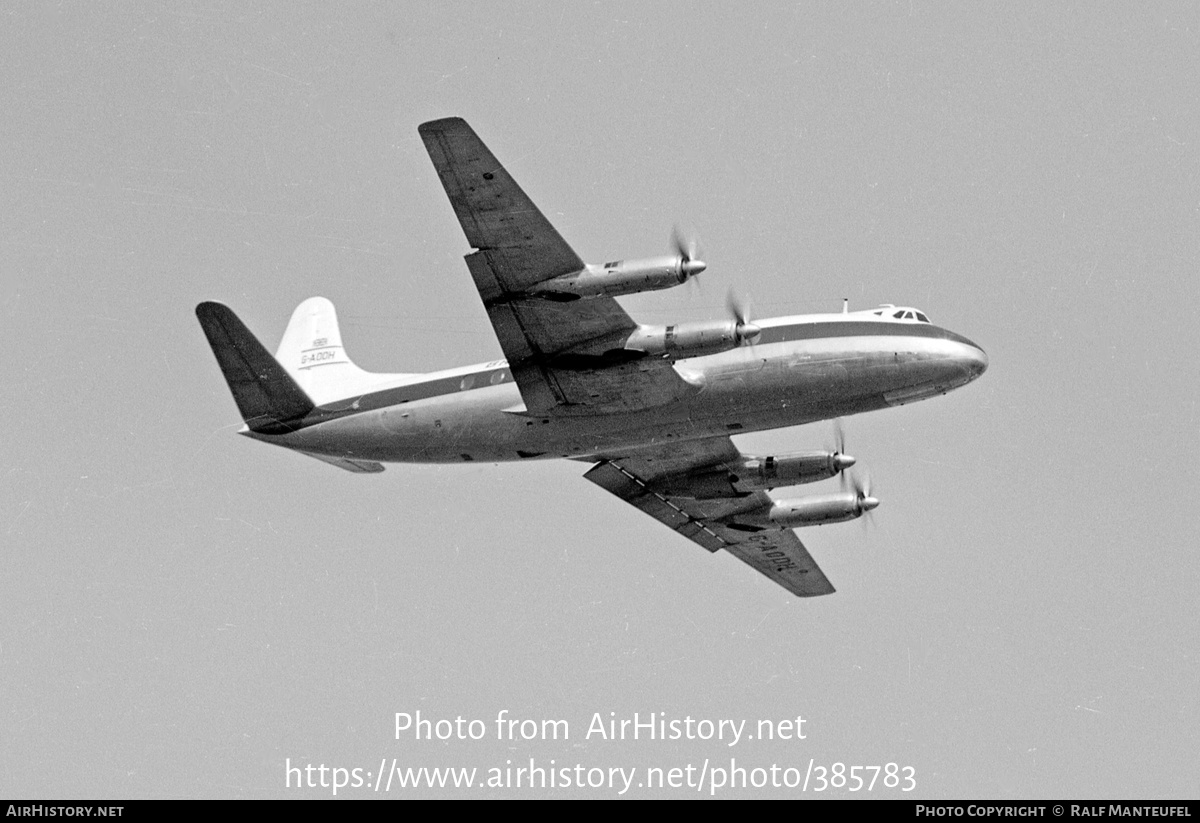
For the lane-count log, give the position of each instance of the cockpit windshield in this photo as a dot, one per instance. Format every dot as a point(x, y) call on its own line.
point(901, 313)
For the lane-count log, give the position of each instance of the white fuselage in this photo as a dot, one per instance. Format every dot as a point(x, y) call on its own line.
point(801, 369)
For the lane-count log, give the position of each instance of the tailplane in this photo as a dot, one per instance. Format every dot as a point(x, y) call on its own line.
point(265, 393)
point(310, 368)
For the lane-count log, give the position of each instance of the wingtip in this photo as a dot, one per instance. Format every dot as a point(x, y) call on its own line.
point(209, 307)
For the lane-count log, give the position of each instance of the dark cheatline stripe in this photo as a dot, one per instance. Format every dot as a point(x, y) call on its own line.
point(856, 328)
point(453, 385)
point(400, 394)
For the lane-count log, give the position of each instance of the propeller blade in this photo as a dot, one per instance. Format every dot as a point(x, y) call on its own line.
point(685, 246)
point(737, 307)
point(841, 460)
point(688, 250)
point(865, 501)
point(747, 332)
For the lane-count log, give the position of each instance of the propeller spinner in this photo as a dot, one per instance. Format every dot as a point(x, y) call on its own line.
point(863, 491)
point(687, 248)
point(842, 460)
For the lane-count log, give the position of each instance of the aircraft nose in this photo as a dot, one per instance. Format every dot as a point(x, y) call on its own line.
point(976, 360)
point(693, 267)
point(970, 357)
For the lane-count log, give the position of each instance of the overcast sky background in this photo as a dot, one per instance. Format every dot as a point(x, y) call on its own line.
point(182, 610)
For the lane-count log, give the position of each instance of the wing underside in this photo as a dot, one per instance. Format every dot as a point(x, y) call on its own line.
point(516, 248)
point(776, 553)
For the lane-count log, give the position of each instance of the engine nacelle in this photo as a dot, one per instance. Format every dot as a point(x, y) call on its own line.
point(755, 473)
point(620, 277)
point(691, 339)
point(749, 474)
point(815, 510)
point(820, 509)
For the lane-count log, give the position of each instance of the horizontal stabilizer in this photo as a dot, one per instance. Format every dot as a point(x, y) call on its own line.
point(356, 466)
point(266, 395)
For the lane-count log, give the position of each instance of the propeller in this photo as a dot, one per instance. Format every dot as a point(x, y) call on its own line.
point(688, 250)
point(747, 332)
point(842, 460)
point(866, 503)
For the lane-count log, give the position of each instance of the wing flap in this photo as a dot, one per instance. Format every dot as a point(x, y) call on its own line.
point(350, 465)
point(775, 553)
point(629, 488)
point(533, 328)
point(675, 457)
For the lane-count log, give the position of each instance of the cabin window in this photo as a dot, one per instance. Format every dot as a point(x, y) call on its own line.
point(467, 382)
point(922, 318)
point(898, 315)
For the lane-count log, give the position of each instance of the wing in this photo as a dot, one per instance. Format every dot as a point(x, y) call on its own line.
point(496, 215)
point(646, 479)
point(554, 349)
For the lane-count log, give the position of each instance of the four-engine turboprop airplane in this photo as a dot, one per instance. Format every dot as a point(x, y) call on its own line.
point(653, 407)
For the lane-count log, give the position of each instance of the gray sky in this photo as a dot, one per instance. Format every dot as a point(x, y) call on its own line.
point(184, 610)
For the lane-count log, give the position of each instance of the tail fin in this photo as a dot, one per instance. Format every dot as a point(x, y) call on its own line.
point(265, 393)
point(312, 353)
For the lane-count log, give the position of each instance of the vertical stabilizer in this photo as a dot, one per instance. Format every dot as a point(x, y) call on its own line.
point(312, 353)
